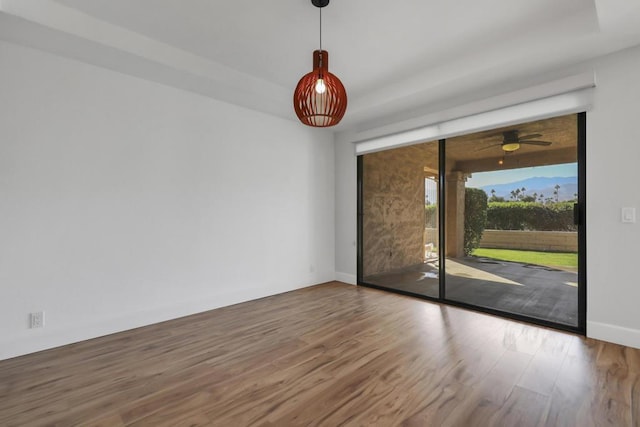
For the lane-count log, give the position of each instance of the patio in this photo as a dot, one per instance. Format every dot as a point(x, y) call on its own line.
point(531, 290)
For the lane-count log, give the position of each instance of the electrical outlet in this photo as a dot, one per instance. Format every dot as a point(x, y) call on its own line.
point(37, 319)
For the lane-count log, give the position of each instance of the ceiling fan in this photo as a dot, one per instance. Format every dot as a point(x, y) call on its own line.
point(511, 141)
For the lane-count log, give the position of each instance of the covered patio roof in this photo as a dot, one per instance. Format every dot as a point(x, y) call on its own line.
point(481, 151)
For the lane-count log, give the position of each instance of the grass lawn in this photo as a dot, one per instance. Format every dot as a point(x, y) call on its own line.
point(551, 259)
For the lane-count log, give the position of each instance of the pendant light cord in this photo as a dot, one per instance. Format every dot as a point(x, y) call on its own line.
point(320, 28)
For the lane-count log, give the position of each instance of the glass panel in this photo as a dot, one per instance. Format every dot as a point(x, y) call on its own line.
point(400, 221)
point(512, 244)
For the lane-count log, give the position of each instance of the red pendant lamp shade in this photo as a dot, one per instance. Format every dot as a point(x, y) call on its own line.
point(320, 99)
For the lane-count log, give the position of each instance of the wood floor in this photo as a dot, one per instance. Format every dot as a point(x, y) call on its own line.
point(329, 355)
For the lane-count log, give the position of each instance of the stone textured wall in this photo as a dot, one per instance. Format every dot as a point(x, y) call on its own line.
point(553, 241)
point(393, 222)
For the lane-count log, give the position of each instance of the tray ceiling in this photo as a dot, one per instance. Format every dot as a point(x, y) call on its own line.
point(396, 59)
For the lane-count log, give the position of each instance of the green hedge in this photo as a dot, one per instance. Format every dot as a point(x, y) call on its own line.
point(530, 216)
point(475, 218)
point(431, 216)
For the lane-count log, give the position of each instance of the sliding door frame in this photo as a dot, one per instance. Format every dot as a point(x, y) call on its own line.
point(582, 240)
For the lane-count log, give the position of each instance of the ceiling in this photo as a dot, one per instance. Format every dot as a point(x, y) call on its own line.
point(398, 60)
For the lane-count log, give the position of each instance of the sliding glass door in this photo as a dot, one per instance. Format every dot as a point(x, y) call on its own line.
point(399, 214)
point(502, 207)
point(512, 239)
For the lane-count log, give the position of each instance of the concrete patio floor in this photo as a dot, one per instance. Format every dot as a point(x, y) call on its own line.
point(531, 290)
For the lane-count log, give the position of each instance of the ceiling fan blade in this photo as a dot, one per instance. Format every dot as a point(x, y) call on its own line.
point(489, 146)
point(545, 143)
point(532, 136)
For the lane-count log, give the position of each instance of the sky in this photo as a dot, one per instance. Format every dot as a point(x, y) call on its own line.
point(480, 179)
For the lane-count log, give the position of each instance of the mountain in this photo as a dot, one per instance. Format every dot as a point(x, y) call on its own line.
point(539, 185)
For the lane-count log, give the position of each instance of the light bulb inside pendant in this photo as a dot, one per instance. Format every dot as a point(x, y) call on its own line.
point(320, 86)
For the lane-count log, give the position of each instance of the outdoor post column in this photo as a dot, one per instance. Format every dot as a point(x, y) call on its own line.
point(454, 226)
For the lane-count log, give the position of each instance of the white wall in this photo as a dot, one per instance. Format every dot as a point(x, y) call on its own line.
point(613, 156)
point(346, 211)
point(125, 202)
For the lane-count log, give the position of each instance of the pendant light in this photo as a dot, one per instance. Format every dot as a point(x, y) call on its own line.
point(320, 99)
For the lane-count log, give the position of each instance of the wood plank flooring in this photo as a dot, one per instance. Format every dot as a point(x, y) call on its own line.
point(328, 355)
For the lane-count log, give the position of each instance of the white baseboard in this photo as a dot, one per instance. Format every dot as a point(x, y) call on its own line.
point(31, 341)
point(613, 333)
point(346, 278)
